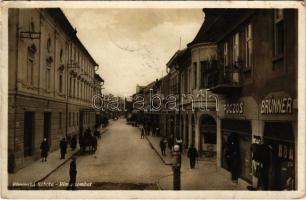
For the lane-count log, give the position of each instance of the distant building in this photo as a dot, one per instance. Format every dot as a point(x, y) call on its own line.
point(50, 83)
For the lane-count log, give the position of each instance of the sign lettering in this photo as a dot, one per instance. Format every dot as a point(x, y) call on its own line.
point(276, 106)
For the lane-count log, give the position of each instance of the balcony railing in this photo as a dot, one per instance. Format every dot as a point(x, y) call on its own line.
point(225, 80)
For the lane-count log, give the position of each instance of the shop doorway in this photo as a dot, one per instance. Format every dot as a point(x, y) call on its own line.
point(280, 138)
point(208, 129)
point(47, 127)
point(240, 129)
point(28, 136)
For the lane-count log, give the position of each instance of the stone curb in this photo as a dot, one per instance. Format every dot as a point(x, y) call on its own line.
point(156, 151)
point(61, 164)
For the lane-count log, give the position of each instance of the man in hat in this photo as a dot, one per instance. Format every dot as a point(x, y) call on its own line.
point(192, 155)
point(72, 173)
point(44, 147)
point(63, 147)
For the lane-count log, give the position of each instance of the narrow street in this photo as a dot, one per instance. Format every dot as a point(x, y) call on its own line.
point(122, 160)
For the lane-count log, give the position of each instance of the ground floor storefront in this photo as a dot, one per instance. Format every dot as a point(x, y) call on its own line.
point(269, 128)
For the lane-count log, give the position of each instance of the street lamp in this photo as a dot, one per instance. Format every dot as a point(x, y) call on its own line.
point(178, 147)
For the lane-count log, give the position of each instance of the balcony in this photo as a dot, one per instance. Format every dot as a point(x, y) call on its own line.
point(225, 80)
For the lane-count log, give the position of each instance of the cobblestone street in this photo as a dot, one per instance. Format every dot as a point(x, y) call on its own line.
point(122, 158)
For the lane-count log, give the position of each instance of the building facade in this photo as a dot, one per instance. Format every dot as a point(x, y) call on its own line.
point(51, 83)
point(243, 63)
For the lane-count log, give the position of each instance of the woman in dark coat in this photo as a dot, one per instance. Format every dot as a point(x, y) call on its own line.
point(44, 147)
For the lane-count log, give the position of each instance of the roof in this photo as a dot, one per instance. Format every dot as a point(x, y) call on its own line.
point(58, 15)
point(98, 77)
point(179, 57)
point(218, 23)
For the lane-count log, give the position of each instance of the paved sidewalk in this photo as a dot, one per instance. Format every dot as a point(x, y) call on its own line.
point(154, 142)
point(206, 176)
point(43, 169)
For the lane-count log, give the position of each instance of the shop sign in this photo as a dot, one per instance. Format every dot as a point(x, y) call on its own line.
point(234, 108)
point(273, 105)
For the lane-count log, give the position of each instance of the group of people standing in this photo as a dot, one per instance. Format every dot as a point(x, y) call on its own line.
point(63, 145)
point(148, 130)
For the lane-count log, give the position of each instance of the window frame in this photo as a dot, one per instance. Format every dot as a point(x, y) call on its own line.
point(279, 39)
point(236, 49)
point(248, 46)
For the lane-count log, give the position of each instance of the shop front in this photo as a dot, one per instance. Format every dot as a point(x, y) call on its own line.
point(241, 130)
point(279, 114)
point(280, 138)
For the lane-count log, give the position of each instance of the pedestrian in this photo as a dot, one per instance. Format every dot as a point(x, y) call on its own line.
point(72, 174)
point(157, 131)
point(94, 144)
point(142, 133)
point(233, 157)
point(63, 147)
point(162, 147)
point(81, 143)
point(192, 155)
point(73, 142)
point(170, 143)
point(44, 147)
point(153, 131)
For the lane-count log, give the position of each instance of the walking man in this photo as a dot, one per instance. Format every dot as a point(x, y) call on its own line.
point(142, 133)
point(170, 143)
point(162, 146)
point(63, 147)
point(233, 157)
point(44, 147)
point(192, 155)
point(72, 174)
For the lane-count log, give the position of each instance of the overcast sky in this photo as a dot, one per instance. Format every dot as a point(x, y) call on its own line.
point(132, 46)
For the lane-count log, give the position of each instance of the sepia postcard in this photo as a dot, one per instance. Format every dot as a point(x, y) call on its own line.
point(152, 100)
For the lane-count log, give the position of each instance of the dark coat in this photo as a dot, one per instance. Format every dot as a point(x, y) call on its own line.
point(44, 147)
point(73, 142)
point(73, 169)
point(192, 153)
point(162, 144)
point(94, 141)
point(63, 146)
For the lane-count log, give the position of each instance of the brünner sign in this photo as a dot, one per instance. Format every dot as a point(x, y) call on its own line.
point(273, 105)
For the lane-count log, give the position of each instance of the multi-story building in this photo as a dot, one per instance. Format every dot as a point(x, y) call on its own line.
point(248, 58)
point(243, 63)
point(51, 83)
